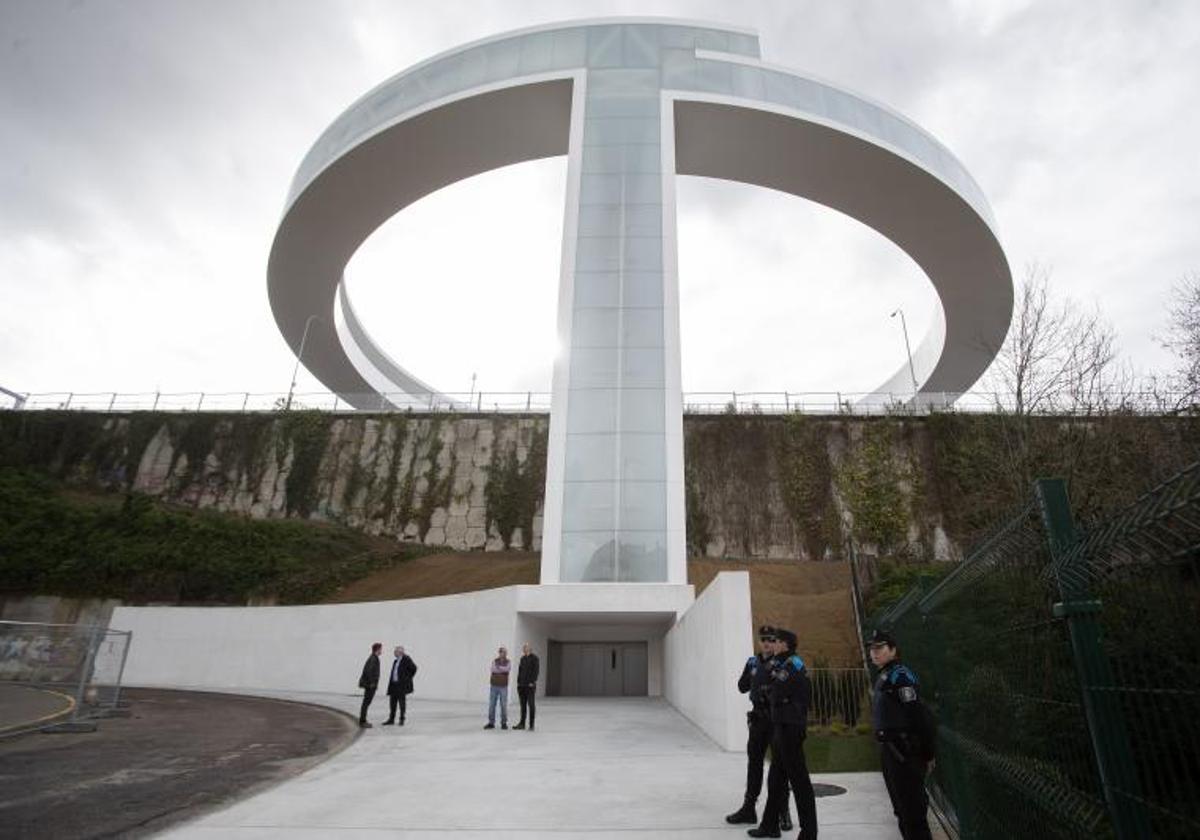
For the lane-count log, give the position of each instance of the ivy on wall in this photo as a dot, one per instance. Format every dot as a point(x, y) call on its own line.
point(879, 484)
point(306, 435)
point(437, 485)
point(805, 476)
point(515, 487)
point(754, 484)
point(399, 432)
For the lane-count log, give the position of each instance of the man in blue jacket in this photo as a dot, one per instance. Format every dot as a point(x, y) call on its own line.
point(905, 733)
point(755, 676)
point(789, 693)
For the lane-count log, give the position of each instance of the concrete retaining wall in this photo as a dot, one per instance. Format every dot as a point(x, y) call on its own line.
point(695, 646)
point(705, 652)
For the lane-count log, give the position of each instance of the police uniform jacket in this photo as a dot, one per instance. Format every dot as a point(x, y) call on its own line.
point(755, 677)
point(897, 713)
point(790, 691)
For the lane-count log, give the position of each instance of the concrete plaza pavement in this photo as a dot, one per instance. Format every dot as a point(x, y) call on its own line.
point(626, 768)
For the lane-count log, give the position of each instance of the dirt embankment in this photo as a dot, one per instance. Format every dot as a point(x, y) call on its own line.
point(812, 599)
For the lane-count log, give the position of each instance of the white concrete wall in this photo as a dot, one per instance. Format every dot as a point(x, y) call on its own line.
point(453, 640)
point(321, 648)
point(704, 654)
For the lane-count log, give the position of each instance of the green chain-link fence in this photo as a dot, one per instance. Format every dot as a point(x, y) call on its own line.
point(1063, 665)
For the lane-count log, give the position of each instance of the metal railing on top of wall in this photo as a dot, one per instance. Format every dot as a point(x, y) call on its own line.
point(538, 402)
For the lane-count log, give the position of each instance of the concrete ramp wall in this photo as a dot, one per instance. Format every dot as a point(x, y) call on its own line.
point(704, 654)
point(322, 647)
point(453, 638)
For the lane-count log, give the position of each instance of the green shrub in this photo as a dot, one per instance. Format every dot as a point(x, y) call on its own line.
point(135, 548)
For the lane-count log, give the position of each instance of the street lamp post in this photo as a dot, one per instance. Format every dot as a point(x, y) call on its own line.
point(907, 348)
point(287, 406)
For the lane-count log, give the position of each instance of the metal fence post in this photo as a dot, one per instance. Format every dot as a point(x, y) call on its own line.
point(121, 669)
point(1105, 721)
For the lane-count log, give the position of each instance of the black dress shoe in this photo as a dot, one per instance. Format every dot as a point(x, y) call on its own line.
point(743, 816)
point(763, 832)
point(519, 726)
point(389, 723)
point(364, 725)
point(504, 726)
point(489, 726)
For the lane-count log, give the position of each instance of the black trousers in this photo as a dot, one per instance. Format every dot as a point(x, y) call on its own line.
point(528, 697)
point(395, 700)
point(905, 779)
point(757, 741)
point(789, 768)
point(368, 696)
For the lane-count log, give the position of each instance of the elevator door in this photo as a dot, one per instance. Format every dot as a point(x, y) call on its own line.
point(602, 669)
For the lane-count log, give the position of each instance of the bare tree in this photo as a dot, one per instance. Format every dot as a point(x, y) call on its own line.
point(1057, 356)
point(1183, 338)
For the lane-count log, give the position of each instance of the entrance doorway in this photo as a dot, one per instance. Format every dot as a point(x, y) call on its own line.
point(597, 669)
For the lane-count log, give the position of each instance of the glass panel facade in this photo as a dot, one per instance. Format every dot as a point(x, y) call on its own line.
point(614, 521)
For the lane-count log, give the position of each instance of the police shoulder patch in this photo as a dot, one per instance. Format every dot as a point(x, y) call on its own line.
point(907, 694)
point(796, 662)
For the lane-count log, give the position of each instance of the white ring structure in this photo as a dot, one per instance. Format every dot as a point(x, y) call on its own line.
point(632, 103)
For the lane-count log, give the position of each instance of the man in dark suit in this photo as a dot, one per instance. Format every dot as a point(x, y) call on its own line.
point(527, 677)
point(400, 684)
point(368, 682)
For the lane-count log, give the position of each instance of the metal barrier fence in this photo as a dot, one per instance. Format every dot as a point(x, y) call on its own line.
point(695, 402)
point(1063, 666)
point(841, 697)
point(81, 663)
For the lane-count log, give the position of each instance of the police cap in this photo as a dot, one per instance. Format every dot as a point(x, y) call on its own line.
point(766, 633)
point(787, 637)
point(881, 637)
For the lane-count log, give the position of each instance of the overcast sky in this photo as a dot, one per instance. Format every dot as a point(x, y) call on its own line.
point(146, 148)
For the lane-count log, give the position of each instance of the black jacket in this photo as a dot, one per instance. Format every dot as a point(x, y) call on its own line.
point(789, 691)
point(403, 682)
point(528, 669)
point(898, 714)
point(370, 674)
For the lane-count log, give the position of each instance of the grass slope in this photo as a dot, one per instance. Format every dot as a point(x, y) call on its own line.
point(811, 598)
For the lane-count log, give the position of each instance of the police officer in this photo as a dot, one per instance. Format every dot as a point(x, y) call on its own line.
point(905, 733)
point(788, 695)
point(755, 676)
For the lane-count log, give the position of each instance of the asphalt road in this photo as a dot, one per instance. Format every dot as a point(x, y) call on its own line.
point(23, 706)
point(179, 755)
